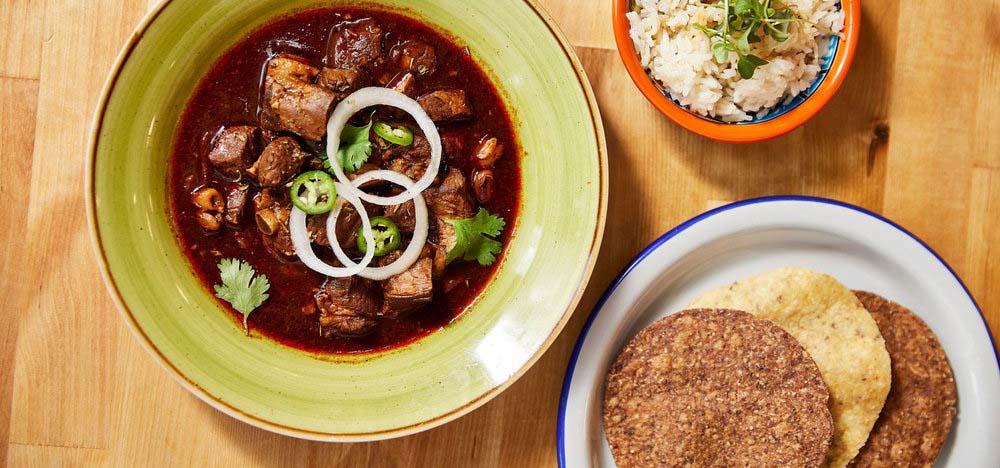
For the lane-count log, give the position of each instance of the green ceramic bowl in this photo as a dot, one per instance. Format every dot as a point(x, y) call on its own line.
point(354, 397)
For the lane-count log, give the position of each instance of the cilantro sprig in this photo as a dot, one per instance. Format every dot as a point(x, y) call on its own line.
point(474, 238)
point(743, 25)
point(241, 287)
point(326, 162)
point(355, 146)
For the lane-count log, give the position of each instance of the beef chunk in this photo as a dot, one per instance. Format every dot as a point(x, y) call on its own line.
point(412, 168)
point(347, 307)
point(340, 81)
point(355, 44)
point(280, 161)
point(405, 84)
point(316, 227)
point(453, 146)
point(233, 151)
point(236, 200)
point(410, 289)
point(416, 56)
point(411, 161)
point(440, 263)
point(403, 215)
point(271, 211)
point(267, 136)
point(343, 323)
point(447, 104)
point(349, 222)
point(450, 201)
point(291, 101)
point(419, 149)
point(366, 167)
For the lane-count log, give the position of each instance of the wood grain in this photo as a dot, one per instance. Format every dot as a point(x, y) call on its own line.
point(18, 127)
point(21, 32)
point(914, 133)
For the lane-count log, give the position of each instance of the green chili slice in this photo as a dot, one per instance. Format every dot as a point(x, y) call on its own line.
point(386, 235)
point(401, 136)
point(314, 192)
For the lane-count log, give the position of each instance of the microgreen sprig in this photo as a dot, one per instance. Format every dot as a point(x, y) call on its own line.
point(745, 21)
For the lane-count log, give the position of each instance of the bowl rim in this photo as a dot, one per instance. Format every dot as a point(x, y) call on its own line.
point(741, 133)
point(260, 422)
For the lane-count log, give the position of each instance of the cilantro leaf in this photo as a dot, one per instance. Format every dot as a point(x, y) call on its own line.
point(244, 291)
point(474, 238)
point(355, 146)
point(326, 162)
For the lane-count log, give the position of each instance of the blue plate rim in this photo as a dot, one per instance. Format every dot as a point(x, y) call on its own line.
point(663, 239)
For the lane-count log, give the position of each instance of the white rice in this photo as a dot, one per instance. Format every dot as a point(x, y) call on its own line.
point(679, 57)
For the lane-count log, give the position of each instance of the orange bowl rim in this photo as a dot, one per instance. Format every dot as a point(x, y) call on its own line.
point(741, 133)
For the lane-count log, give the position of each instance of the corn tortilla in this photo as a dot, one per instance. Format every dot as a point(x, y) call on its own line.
point(840, 335)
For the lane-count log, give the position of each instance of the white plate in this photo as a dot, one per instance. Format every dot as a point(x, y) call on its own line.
point(861, 249)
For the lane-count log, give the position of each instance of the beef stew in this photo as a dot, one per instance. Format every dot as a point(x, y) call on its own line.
point(258, 121)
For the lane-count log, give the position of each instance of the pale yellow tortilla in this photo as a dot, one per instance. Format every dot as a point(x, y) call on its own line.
point(840, 335)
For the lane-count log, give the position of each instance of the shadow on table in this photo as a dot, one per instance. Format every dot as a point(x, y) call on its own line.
point(473, 440)
point(270, 449)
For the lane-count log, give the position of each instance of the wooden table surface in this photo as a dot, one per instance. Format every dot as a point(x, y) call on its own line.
point(913, 134)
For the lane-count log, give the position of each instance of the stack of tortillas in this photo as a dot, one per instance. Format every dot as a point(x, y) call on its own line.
point(786, 368)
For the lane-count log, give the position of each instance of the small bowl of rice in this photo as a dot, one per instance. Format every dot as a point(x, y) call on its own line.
point(737, 70)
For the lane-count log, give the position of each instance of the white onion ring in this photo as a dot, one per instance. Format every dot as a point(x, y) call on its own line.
point(373, 96)
point(348, 191)
point(413, 250)
point(303, 246)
